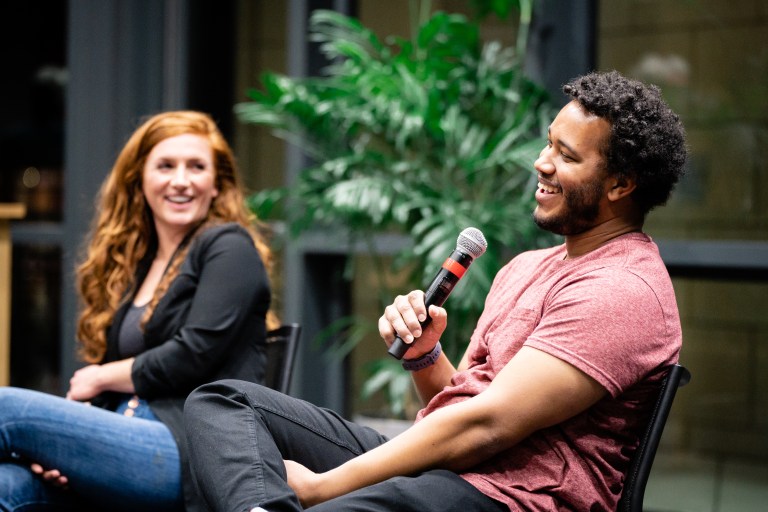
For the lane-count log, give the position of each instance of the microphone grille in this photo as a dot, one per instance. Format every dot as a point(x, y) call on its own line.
point(472, 241)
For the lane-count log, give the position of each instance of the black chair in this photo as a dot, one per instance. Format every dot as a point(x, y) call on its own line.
point(640, 467)
point(282, 345)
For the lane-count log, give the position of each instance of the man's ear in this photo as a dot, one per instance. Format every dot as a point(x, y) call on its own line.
point(621, 186)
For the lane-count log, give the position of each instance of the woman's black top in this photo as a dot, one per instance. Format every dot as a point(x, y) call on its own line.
point(130, 341)
point(209, 325)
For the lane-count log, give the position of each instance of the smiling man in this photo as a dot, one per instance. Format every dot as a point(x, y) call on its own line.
point(545, 409)
point(571, 172)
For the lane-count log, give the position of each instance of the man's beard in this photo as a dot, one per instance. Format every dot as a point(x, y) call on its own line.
point(582, 206)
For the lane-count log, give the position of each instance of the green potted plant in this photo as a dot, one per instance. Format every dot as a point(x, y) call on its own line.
point(423, 137)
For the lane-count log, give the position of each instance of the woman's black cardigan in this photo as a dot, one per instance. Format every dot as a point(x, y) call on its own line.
point(209, 325)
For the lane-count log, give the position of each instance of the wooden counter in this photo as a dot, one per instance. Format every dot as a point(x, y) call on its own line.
point(8, 212)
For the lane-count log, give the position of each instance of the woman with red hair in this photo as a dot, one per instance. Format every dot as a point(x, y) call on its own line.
point(175, 293)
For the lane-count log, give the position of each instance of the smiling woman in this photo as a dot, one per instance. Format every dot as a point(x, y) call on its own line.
point(172, 241)
point(179, 184)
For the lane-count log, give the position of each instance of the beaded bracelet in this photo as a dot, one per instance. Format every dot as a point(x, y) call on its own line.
point(425, 361)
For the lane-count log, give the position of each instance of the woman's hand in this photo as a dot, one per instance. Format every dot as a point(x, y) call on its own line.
point(52, 476)
point(85, 383)
point(89, 381)
point(404, 316)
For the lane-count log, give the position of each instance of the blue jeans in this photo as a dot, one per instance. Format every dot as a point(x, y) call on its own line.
point(240, 432)
point(112, 462)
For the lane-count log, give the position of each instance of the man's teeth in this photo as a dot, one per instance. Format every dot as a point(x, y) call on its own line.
point(548, 189)
point(179, 199)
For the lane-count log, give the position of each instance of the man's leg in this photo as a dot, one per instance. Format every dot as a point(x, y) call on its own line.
point(437, 490)
point(240, 432)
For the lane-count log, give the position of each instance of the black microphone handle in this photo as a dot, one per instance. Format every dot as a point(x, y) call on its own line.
point(438, 291)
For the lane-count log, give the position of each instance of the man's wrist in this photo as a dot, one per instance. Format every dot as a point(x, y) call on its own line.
point(425, 361)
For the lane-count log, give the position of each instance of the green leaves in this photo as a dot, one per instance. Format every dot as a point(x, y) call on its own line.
point(345, 37)
point(424, 137)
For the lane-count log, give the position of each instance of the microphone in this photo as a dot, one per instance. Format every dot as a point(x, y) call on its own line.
point(471, 244)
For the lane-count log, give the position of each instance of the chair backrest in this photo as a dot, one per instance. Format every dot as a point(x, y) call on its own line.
point(640, 467)
point(282, 345)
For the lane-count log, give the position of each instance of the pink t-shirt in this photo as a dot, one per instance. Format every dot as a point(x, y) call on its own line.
point(611, 313)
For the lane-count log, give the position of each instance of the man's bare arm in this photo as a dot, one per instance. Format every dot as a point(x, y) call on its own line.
point(534, 391)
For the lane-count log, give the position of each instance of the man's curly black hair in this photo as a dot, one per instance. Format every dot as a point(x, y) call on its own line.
point(647, 139)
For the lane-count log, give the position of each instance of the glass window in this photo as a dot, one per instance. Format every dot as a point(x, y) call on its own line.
point(31, 172)
point(710, 58)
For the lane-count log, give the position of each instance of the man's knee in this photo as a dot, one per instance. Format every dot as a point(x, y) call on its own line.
point(206, 400)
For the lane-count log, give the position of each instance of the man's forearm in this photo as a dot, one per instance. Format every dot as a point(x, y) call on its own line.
point(454, 438)
point(431, 380)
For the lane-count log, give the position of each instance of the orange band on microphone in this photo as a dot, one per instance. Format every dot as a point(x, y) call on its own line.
point(454, 267)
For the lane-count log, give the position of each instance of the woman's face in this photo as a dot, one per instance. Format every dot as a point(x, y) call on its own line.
point(179, 183)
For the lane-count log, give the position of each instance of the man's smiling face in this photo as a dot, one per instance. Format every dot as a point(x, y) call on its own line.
point(571, 191)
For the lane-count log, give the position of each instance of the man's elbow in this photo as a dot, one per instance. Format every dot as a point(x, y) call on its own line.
point(492, 434)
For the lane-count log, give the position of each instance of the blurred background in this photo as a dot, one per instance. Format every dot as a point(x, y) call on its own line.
point(80, 74)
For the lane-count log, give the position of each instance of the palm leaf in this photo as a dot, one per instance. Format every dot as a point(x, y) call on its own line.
point(423, 137)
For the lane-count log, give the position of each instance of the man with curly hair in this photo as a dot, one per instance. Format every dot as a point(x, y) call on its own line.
point(545, 409)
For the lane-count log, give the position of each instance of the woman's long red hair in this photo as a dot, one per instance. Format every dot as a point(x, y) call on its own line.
point(123, 228)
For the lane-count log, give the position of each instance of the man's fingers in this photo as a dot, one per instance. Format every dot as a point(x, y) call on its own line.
point(416, 301)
